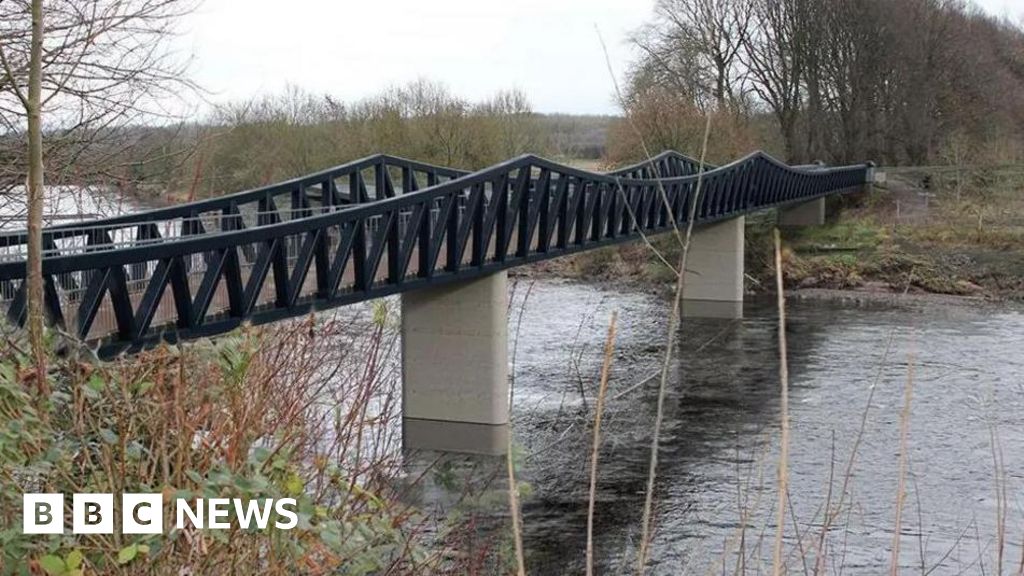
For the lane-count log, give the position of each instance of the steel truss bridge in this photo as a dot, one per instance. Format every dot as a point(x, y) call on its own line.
point(373, 227)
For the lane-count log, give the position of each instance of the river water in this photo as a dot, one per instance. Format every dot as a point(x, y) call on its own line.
point(715, 497)
point(64, 205)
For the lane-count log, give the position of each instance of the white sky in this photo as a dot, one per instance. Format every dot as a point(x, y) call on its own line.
point(355, 48)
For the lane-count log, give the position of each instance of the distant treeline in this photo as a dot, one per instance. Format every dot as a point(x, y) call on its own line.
point(271, 138)
point(897, 81)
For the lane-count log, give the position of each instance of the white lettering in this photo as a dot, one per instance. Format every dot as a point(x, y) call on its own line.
point(196, 517)
point(279, 507)
point(252, 509)
point(219, 508)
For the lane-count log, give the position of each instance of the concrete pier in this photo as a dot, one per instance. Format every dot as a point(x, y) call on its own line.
point(807, 214)
point(455, 367)
point(714, 271)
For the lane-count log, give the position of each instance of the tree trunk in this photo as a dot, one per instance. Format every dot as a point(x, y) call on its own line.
point(34, 276)
point(721, 78)
point(787, 122)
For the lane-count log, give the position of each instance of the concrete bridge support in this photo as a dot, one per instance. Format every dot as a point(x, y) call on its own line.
point(714, 271)
point(806, 214)
point(455, 366)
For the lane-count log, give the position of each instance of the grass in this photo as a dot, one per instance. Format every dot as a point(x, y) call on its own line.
point(853, 235)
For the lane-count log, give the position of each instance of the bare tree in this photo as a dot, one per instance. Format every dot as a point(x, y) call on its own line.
point(441, 116)
point(696, 44)
point(513, 120)
point(75, 74)
point(774, 57)
point(32, 104)
point(844, 80)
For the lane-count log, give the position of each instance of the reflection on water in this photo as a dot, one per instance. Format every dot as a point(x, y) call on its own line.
point(718, 449)
point(63, 205)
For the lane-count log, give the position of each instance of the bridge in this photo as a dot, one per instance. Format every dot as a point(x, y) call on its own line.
point(442, 238)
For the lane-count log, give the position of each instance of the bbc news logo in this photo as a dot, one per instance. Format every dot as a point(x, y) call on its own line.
point(144, 513)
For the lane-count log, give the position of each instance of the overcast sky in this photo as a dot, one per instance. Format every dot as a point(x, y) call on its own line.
point(355, 48)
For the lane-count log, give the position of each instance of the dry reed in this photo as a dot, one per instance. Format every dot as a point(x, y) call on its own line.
point(783, 471)
point(609, 346)
point(901, 488)
point(513, 505)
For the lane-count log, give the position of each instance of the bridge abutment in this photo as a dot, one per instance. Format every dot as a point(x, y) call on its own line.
point(806, 214)
point(455, 366)
point(714, 271)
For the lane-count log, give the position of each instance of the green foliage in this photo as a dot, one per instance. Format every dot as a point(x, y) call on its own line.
point(70, 565)
point(214, 420)
point(848, 234)
point(128, 553)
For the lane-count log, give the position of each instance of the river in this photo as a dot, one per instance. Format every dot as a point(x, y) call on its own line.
point(63, 205)
point(721, 433)
point(715, 497)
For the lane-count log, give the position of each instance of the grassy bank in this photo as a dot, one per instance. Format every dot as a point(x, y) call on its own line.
point(939, 230)
point(936, 230)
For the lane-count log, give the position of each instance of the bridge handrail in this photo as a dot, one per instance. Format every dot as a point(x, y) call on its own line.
point(16, 237)
point(193, 210)
point(200, 243)
point(219, 203)
point(658, 161)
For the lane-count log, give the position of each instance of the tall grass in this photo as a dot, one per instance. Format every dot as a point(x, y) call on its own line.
point(901, 488)
point(513, 505)
point(782, 486)
point(675, 311)
point(609, 347)
point(673, 326)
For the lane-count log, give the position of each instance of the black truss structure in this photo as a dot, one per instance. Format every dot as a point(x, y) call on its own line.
point(374, 227)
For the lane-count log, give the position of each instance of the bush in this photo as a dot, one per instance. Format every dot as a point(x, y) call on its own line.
point(260, 414)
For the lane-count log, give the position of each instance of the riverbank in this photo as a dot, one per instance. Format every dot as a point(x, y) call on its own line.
point(925, 232)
